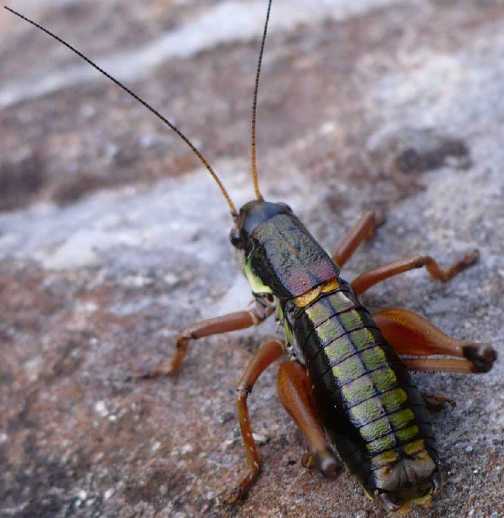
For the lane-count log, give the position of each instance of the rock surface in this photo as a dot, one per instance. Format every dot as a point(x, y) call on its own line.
point(112, 238)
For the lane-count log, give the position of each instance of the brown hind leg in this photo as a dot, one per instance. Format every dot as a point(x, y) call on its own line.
point(212, 326)
point(362, 231)
point(411, 334)
point(267, 353)
point(294, 390)
point(364, 281)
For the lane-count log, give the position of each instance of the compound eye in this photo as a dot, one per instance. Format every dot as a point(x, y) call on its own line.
point(269, 298)
point(265, 299)
point(236, 239)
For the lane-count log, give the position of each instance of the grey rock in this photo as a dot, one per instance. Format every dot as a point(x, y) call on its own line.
point(113, 253)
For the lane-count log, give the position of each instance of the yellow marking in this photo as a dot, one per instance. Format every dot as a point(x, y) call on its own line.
point(381, 444)
point(408, 433)
point(375, 429)
point(329, 330)
point(348, 370)
point(384, 379)
point(374, 358)
point(394, 399)
point(318, 313)
point(306, 298)
point(402, 417)
point(278, 312)
point(367, 411)
point(256, 284)
point(330, 286)
point(414, 447)
point(358, 390)
point(339, 349)
point(351, 319)
point(310, 296)
point(362, 338)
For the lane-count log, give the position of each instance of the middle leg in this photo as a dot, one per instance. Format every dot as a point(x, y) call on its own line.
point(213, 326)
point(268, 353)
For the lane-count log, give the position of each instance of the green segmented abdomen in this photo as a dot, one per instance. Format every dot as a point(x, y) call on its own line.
point(357, 376)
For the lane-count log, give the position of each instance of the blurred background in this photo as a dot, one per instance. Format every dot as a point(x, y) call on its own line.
point(112, 236)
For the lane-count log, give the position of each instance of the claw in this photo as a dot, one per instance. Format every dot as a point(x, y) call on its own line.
point(379, 217)
point(233, 496)
point(471, 257)
point(481, 356)
point(240, 492)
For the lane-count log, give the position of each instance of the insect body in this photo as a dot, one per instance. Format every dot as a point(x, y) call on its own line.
point(365, 399)
point(344, 380)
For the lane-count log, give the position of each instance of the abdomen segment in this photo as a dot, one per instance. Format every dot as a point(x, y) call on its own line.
point(363, 390)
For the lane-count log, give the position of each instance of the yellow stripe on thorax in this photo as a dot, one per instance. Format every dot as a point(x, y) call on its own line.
point(310, 296)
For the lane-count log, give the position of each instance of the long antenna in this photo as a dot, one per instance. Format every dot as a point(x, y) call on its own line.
point(255, 177)
point(196, 151)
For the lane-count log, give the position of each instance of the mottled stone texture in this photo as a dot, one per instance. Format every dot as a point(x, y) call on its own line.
point(112, 238)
